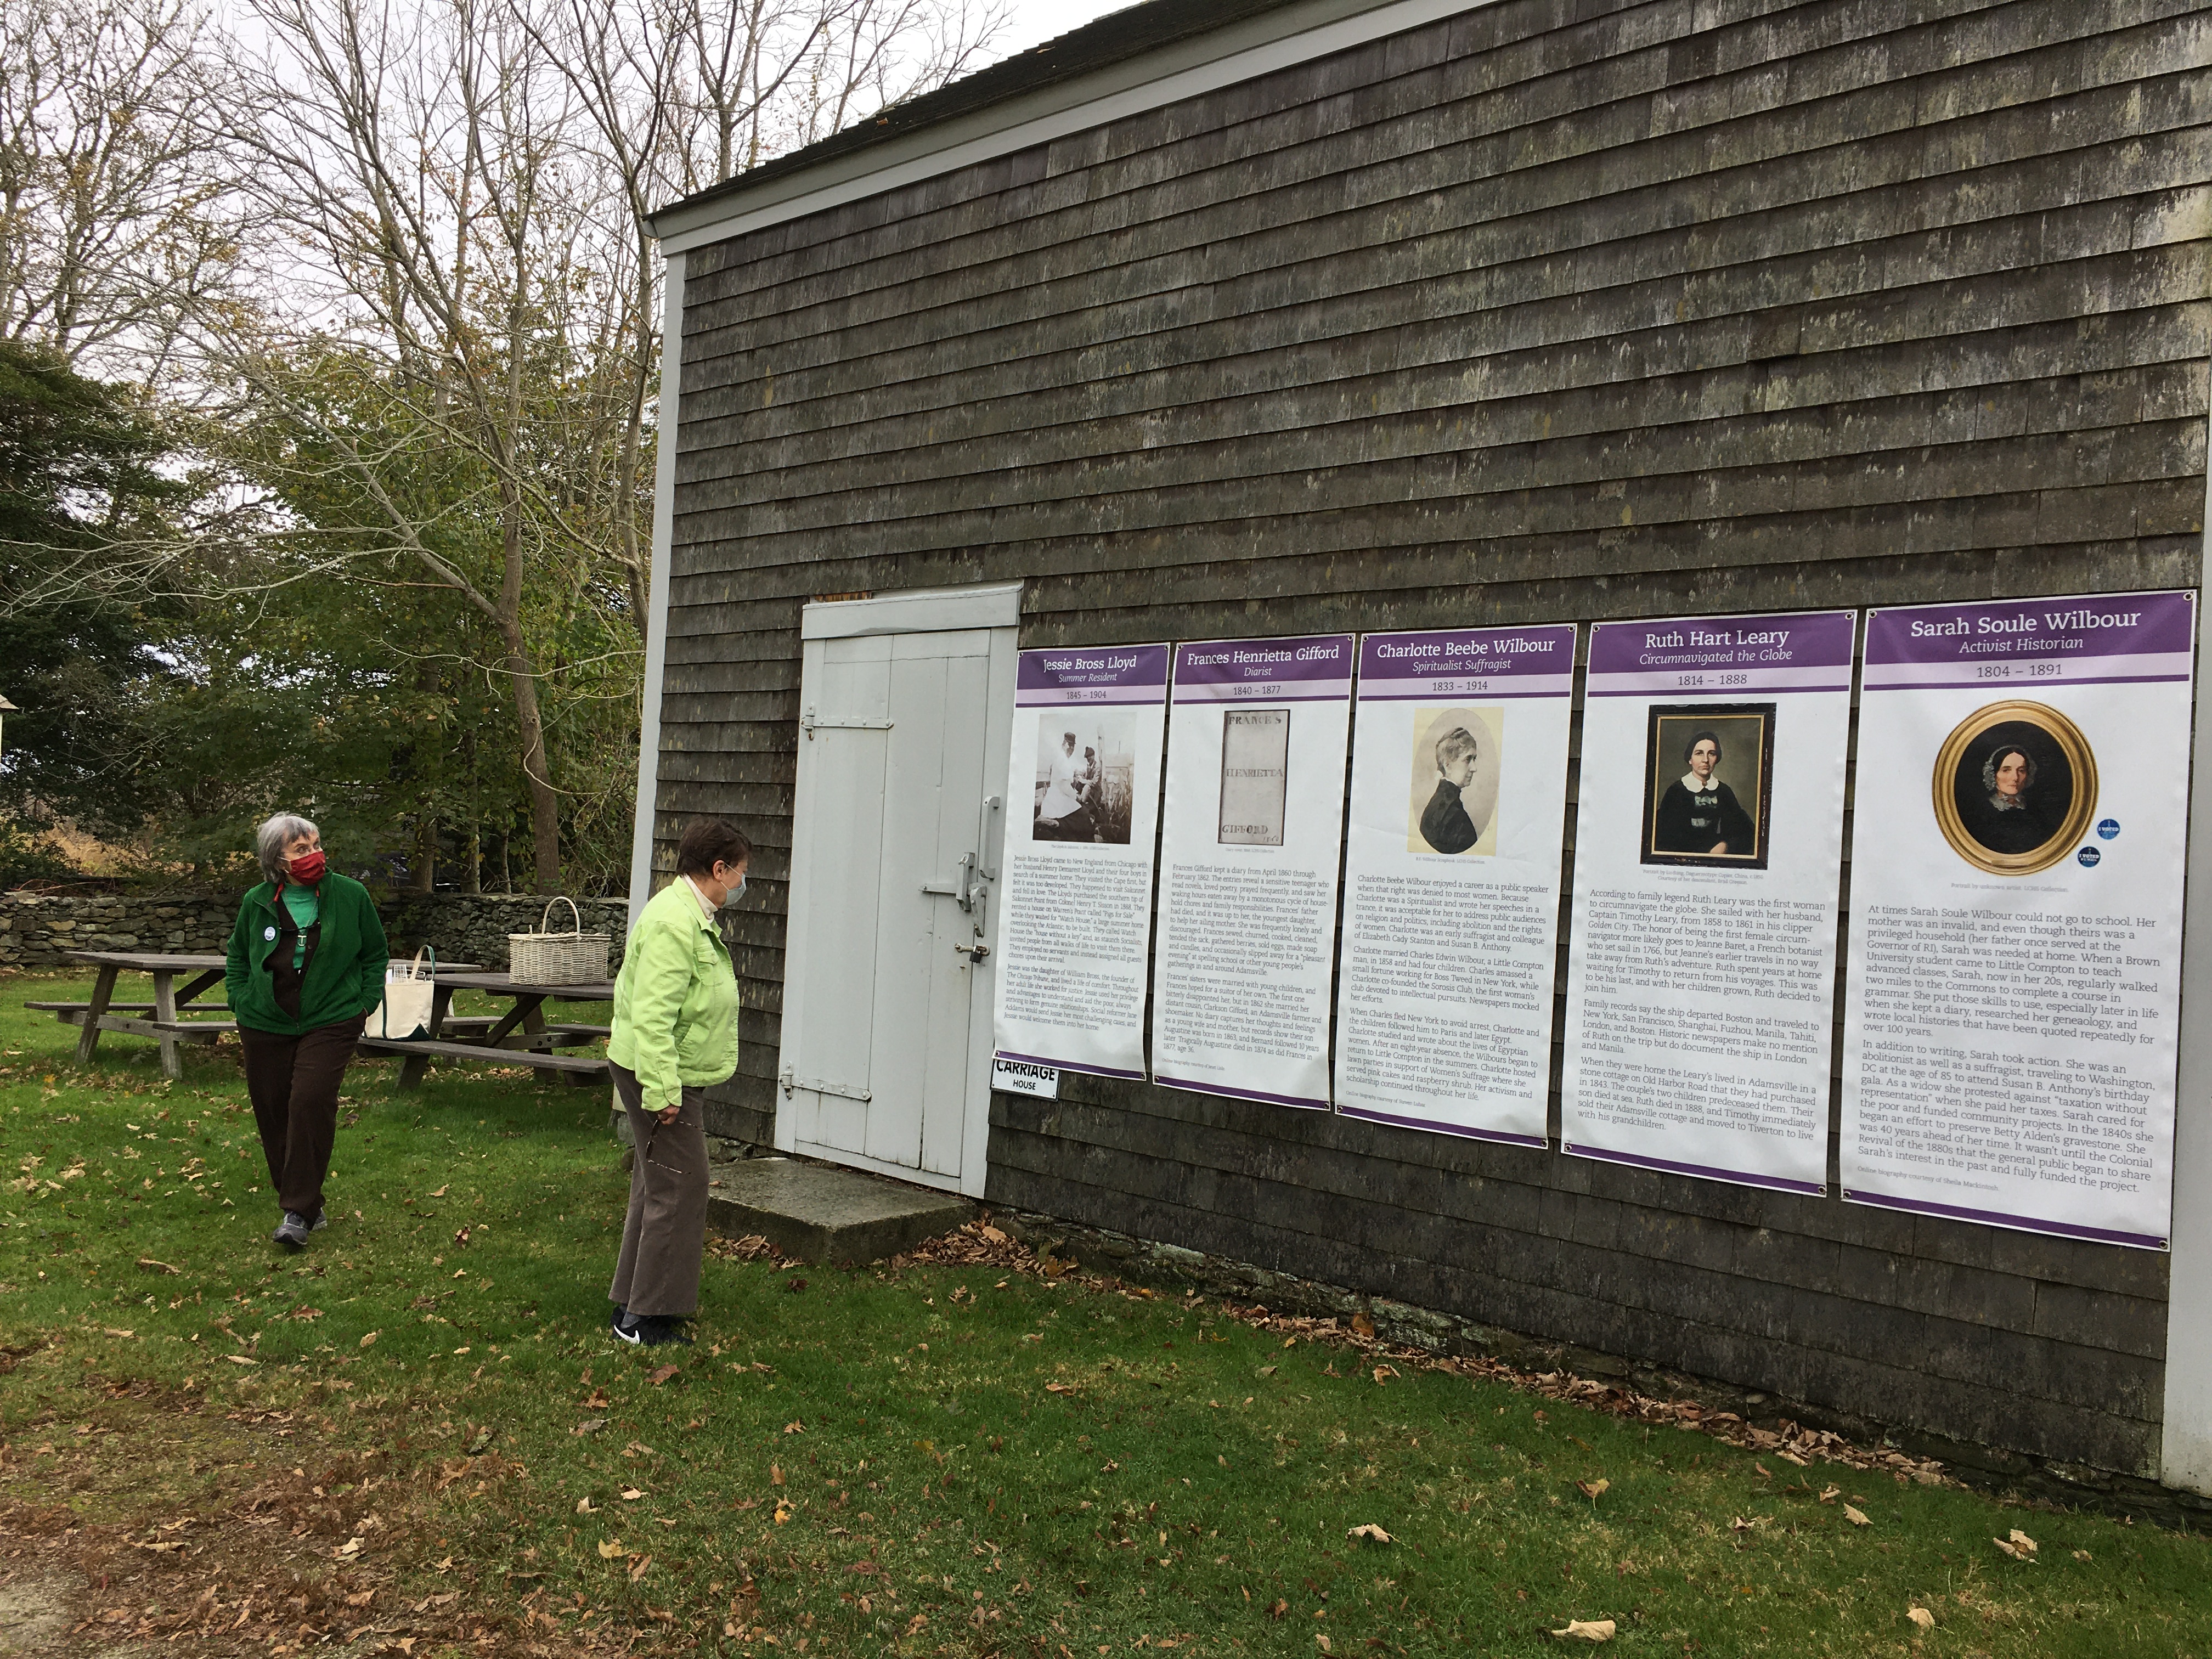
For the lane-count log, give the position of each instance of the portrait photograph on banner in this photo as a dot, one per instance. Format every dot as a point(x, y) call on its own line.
point(2013, 976)
point(1708, 860)
point(1250, 837)
point(1452, 861)
point(1083, 794)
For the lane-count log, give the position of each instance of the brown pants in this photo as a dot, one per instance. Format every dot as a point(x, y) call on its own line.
point(665, 1230)
point(294, 1084)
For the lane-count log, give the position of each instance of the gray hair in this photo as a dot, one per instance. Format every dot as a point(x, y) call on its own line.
point(275, 834)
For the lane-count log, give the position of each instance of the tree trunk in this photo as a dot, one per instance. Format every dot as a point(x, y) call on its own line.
point(472, 865)
point(422, 868)
point(545, 804)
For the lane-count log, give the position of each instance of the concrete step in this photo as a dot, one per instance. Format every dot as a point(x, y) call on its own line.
point(818, 1214)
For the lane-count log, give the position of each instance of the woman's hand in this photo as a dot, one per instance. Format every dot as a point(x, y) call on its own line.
point(668, 1114)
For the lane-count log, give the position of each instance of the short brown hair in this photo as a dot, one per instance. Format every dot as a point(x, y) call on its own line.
point(709, 842)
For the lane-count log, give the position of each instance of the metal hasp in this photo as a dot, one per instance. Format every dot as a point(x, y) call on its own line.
point(809, 725)
point(842, 1090)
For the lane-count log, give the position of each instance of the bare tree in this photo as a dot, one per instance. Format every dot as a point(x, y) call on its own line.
point(120, 212)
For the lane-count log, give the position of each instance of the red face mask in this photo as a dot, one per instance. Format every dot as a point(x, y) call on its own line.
point(308, 867)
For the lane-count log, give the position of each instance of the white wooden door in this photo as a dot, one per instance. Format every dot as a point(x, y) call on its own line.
point(885, 1061)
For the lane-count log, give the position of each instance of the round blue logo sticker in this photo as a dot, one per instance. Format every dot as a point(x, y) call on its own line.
point(2108, 828)
point(269, 933)
point(2090, 856)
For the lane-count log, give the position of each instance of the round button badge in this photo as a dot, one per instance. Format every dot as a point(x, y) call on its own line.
point(2108, 828)
point(269, 933)
point(2090, 856)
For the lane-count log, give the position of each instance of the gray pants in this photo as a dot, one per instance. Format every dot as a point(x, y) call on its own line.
point(665, 1230)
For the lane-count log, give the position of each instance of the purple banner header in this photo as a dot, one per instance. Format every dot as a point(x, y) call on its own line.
point(2104, 637)
point(1468, 662)
point(1309, 666)
point(1803, 651)
point(1103, 673)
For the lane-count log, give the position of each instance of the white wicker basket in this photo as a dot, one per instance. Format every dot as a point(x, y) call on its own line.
point(571, 958)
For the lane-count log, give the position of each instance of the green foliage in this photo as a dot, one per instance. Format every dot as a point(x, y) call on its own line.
point(961, 1460)
point(83, 495)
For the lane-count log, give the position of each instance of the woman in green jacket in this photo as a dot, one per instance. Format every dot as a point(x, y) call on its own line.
point(305, 965)
point(674, 1035)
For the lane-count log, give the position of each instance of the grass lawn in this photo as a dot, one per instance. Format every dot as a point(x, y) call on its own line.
point(427, 1444)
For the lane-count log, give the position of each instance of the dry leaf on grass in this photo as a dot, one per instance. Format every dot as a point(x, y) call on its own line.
point(589, 1425)
point(2020, 1546)
point(1589, 1629)
point(369, 1340)
point(585, 1506)
point(1369, 1529)
point(1594, 1489)
point(775, 1474)
point(637, 1568)
point(1830, 1494)
point(783, 1513)
point(1921, 1617)
point(443, 1190)
point(631, 1494)
point(1856, 1516)
point(609, 1548)
point(2082, 1555)
point(662, 1375)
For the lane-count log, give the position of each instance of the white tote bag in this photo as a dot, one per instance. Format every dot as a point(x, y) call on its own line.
point(404, 1014)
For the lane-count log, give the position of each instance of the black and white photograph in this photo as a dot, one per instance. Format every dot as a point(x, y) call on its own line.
point(2016, 785)
point(1709, 775)
point(1085, 763)
point(1255, 772)
point(1457, 755)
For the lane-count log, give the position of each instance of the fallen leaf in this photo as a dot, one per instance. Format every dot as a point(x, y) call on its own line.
point(794, 1428)
point(1856, 1516)
point(1058, 1387)
point(662, 1375)
point(154, 1266)
point(783, 1513)
point(2020, 1546)
point(240, 1359)
point(993, 1234)
point(1369, 1529)
point(360, 1598)
point(1589, 1629)
point(2082, 1555)
point(369, 1340)
point(1382, 1371)
point(114, 1331)
point(598, 1402)
point(775, 1474)
point(1831, 1494)
point(442, 1191)
point(1322, 1642)
point(589, 1425)
point(609, 1548)
point(348, 1550)
point(1921, 1617)
point(1279, 1609)
point(1741, 1525)
point(1593, 1489)
point(637, 1568)
point(585, 1506)
point(1363, 1324)
point(631, 1494)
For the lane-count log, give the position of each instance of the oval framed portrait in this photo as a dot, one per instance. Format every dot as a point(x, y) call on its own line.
point(2015, 787)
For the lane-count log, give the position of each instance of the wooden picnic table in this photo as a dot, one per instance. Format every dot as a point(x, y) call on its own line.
point(522, 1036)
point(165, 1024)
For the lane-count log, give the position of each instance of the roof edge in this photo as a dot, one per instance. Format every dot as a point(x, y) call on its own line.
point(1239, 49)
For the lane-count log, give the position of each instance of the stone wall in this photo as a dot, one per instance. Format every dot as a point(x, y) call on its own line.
point(34, 930)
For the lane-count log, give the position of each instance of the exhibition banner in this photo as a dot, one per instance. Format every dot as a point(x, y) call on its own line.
point(1708, 855)
point(1249, 845)
point(2014, 967)
point(1451, 901)
point(1083, 802)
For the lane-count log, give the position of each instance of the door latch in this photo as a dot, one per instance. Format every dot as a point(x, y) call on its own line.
point(967, 891)
point(974, 953)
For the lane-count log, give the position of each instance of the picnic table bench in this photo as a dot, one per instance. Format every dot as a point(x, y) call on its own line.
point(520, 1037)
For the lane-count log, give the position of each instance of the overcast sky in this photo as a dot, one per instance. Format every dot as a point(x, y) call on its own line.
point(1036, 21)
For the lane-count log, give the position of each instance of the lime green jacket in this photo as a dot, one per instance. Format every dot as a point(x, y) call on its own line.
point(676, 1001)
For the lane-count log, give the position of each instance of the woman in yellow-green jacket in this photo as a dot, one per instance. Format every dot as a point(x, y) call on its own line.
point(675, 1034)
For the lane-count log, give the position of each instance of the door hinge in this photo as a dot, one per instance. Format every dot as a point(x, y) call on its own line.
point(813, 1085)
point(808, 721)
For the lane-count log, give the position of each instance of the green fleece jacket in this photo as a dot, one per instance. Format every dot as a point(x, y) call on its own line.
point(676, 1001)
point(345, 978)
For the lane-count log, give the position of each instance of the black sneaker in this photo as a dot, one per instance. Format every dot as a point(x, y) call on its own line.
point(615, 1323)
point(650, 1330)
point(292, 1231)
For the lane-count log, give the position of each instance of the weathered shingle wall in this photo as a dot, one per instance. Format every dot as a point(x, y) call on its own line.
point(1561, 309)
